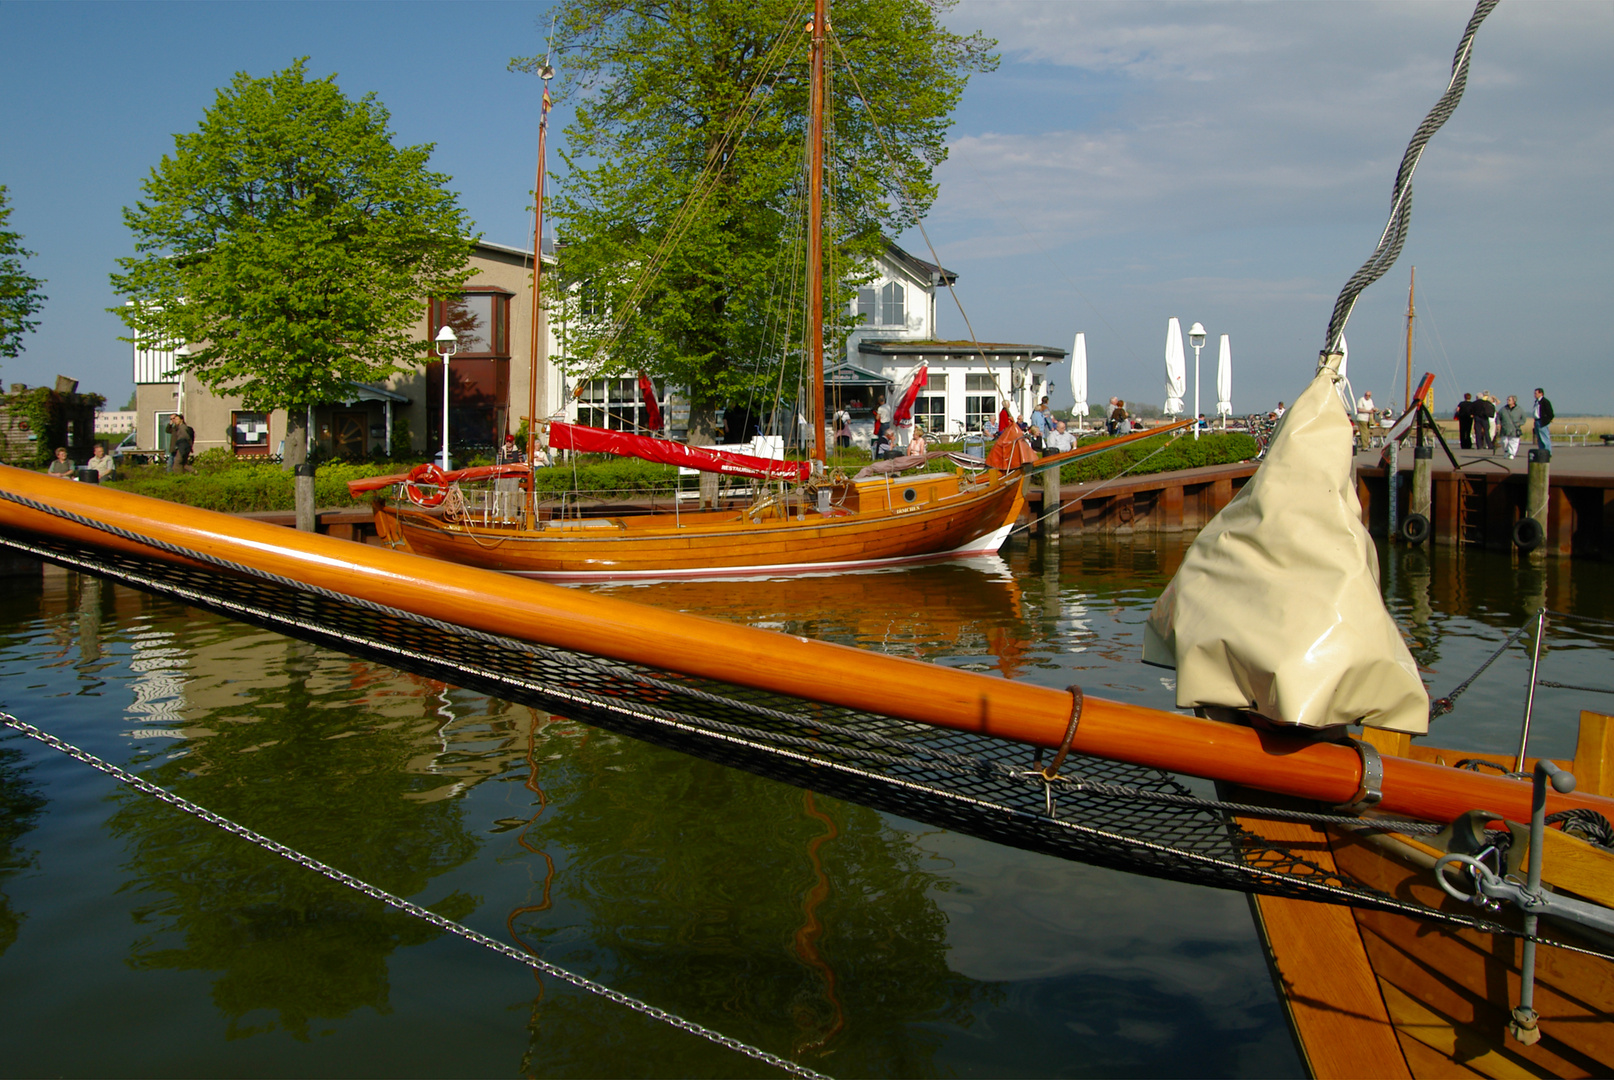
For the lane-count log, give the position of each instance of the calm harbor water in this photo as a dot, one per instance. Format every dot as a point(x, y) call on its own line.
point(138, 941)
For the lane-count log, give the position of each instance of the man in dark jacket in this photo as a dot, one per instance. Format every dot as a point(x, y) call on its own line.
point(1483, 412)
point(1543, 413)
point(1465, 422)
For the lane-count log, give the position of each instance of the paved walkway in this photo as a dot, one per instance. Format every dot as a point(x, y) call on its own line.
point(1596, 460)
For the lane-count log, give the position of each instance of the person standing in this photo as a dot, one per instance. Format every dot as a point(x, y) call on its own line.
point(1510, 421)
point(1484, 414)
point(843, 428)
point(181, 437)
point(1464, 415)
point(1277, 413)
point(1043, 421)
point(1365, 412)
point(1543, 418)
point(882, 427)
point(1109, 416)
point(1123, 422)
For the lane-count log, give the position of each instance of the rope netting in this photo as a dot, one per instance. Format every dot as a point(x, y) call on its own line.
point(1104, 813)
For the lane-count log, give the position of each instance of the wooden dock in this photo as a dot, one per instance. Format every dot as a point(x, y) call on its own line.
point(1478, 505)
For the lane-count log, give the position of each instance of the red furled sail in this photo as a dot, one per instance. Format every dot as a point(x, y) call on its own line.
point(590, 440)
point(651, 407)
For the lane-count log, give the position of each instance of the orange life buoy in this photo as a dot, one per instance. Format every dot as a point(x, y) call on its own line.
point(428, 473)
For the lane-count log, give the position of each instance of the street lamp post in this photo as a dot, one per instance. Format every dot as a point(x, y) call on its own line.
point(447, 345)
point(1196, 338)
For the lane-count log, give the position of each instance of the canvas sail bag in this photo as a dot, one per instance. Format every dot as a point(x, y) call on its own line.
point(1277, 609)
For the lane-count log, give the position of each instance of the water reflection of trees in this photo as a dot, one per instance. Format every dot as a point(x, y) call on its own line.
point(297, 754)
point(741, 904)
point(20, 806)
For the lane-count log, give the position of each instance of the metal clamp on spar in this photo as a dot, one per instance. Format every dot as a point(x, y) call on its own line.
point(1371, 790)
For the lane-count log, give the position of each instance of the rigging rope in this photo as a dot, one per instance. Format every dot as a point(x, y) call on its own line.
point(406, 906)
point(1395, 230)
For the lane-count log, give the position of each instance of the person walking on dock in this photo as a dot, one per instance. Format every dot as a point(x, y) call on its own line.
point(1543, 417)
point(1464, 415)
point(1484, 413)
point(1511, 418)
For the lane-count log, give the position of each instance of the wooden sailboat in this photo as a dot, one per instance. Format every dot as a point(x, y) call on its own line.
point(821, 521)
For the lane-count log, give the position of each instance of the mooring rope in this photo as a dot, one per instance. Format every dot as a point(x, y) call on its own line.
point(408, 907)
point(1395, 231)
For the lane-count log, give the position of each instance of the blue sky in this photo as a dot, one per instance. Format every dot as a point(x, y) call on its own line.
point(1227, 163)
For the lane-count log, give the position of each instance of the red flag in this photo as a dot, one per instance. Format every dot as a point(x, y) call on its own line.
point(652, 410)
point(908, 391)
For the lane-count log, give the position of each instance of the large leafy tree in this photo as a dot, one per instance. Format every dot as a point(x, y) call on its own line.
point(680, 211)
point(291, 245)
point(20, 297)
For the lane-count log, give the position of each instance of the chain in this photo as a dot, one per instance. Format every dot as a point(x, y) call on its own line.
point(409, 907)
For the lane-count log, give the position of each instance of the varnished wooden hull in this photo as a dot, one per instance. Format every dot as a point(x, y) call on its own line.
point(1371, 993)
point(942, 517)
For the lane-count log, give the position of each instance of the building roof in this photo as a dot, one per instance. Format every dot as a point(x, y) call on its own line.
point(955, 349)
point(522, 252)
point(845, 374)
point(916, 266)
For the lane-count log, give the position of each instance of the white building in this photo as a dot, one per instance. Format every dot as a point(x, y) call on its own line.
point(968, 382)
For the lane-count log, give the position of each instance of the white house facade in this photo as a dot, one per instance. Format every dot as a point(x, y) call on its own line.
point(967, 382)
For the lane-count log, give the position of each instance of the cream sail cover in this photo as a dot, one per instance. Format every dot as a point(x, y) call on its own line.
point(1276, 608)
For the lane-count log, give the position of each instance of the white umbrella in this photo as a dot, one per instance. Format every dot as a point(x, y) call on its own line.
point(1224, 382)
point(1078, 378)
point(1176, 368)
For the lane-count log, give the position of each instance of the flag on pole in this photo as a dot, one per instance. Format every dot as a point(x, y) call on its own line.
point(651, 407)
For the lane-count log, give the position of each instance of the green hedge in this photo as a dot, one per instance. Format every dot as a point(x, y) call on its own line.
point(1212, 448)
point(242, 487)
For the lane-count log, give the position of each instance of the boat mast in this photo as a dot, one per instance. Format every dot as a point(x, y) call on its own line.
point(1411, 313)
point(531, 509)
point(815, 226)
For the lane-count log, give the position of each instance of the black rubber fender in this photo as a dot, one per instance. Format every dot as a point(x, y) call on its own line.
point(1415, 529)
point(1528, 534)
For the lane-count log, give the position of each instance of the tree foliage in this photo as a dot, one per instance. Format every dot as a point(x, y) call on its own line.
point(290, 244)
point(666, 88)
point(19, 290)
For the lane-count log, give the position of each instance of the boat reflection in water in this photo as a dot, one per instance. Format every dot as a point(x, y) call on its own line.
point(965, 609)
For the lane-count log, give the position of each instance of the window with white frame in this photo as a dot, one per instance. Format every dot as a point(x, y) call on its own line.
point(930, 407)
point(893, 312)
point(614, 404)
point(885, 306)
point(980, 402)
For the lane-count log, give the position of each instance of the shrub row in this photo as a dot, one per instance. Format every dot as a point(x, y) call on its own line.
point(1162, 453)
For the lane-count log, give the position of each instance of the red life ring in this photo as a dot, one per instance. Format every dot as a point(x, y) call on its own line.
point(430, 474)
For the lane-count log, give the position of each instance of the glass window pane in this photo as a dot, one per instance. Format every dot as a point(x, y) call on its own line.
point(892, 311)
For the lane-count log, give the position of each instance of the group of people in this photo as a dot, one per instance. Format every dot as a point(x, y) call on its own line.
point(100, 463)
point(1482, 422)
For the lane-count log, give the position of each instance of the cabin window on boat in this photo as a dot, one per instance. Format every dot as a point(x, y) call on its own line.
point(481, 322)
point(614, 404)
point(980, 401)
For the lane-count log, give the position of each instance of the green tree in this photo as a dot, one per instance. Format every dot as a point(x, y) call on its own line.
point(666, 88)
point(291, 245)
point(19, 290)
